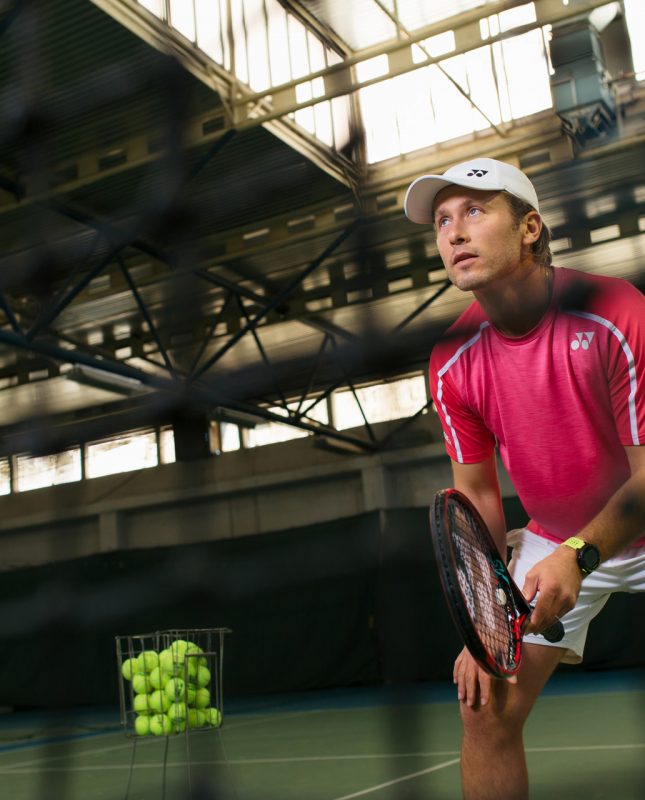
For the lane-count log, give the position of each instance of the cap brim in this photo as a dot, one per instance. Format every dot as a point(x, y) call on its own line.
point(419, 199)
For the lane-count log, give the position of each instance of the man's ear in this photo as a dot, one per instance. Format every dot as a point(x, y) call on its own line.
point(532, 228)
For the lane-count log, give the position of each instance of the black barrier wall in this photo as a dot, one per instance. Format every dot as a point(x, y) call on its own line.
point(347, 603)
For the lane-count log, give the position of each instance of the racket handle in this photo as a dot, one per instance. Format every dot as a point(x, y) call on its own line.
point(555, 632)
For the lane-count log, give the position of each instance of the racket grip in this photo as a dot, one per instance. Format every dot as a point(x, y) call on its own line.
point(555, 632)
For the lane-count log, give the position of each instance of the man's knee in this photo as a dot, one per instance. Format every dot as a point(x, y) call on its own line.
point(502, 718)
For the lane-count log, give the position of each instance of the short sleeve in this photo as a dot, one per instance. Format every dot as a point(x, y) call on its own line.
point(627, 369)
point(467, 439)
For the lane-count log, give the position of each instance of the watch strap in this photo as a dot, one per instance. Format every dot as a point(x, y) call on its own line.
point(574, 542)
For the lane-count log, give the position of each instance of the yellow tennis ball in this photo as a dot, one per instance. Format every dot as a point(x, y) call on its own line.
point(191, 692)
point(142, 726)
point(158, 678)
point(213, 717)
point(128, 668)
point(175, 689)
point(177, 713)
point(203, 677)
point(160, 725)
point(159, 701)
point(147, 661)
point(142, 705)
point(202, 698)
point(196, 718)
point(141, 683)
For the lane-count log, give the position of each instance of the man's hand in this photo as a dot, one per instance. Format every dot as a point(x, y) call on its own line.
point(473, 683)
point(557, 578)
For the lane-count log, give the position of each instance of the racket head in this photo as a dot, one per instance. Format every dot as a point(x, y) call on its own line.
point(486, 605)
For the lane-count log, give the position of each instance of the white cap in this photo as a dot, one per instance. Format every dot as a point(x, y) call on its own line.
point(480, 173)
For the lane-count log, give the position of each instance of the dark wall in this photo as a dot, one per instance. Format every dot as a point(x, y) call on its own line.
point(353, 602)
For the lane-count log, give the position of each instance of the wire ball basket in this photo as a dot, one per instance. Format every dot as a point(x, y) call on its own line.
point(170, 682)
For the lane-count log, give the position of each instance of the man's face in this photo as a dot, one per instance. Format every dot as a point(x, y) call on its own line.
point(478, 240)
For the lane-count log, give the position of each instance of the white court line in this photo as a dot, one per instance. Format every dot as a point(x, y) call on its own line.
point(231, 724)
point(16, 769)
point(399, 780)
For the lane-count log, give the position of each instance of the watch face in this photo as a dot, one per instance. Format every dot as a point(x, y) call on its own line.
point(588, 558)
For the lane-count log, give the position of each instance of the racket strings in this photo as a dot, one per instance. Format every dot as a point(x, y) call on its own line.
point(488, 603)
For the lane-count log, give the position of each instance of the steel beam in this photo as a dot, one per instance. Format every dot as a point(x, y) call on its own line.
point(197, 393)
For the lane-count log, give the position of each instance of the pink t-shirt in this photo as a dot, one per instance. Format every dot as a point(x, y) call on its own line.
point(560, 402)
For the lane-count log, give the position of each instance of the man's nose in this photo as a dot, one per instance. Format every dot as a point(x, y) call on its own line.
point(458, 233)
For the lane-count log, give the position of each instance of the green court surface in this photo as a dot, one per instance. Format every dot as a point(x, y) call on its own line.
point(585, 739)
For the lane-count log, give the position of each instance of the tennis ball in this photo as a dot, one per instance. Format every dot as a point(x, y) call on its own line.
point(159, 701)
point(202, 698)
point(203, 677)
point(147, 661)
point(191, 692)
point(142, 705)
point(141, 683)
point(213, 717)
point(160, 725)
point(179, 727)
point(175, 689)
point(128, 668)
point(196, 718)
point(177, 713)
point(167, 664)
point(158, 678)
point(142, 726)
point(179, 648)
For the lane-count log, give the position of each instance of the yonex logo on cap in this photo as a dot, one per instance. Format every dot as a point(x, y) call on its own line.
point(582, 340)
point(477, 173)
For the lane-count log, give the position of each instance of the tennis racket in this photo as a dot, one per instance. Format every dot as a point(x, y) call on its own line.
point(487, 607)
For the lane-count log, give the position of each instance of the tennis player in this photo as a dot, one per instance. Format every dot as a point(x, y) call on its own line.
point(547, 365)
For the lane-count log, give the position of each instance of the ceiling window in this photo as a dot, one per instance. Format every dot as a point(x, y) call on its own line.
point(635, 18)
point(272, 432)
point(121, 454)
point(380, 402)
point(505, 80)
point(36, 472)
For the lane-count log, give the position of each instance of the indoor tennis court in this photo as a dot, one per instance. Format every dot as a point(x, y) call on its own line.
point(220, 438)
point(383, 743)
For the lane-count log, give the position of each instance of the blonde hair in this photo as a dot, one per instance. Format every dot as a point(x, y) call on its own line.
point(541, 246)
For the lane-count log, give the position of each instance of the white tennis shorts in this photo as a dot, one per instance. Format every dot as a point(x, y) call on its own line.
point(623, 573)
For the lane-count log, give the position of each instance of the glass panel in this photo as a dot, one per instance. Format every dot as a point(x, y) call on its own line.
point(182, 17)
point(241, 63)
point(635, 19)
point(381, 402)
point(5, 477)
point(210, 31)
point(35, 472)
point(156, 6)
point(229, 437)
point(527, 73)
point(257, 45)
point(271, 432)
point(278, 53)
point(167, 446)
point(122, 454)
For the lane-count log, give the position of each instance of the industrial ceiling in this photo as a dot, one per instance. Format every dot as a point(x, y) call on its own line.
point(206, 256)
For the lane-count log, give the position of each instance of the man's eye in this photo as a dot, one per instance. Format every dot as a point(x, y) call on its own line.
point(442, 222)
point(473, 211)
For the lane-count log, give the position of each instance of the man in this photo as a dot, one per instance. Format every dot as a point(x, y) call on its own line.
point(559, 387)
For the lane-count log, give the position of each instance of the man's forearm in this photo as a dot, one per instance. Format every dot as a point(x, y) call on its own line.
point(621, 521)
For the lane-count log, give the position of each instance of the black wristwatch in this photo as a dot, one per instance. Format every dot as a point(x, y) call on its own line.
point(587, 555)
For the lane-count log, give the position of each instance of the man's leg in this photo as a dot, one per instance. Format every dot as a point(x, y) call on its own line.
point(493, 763)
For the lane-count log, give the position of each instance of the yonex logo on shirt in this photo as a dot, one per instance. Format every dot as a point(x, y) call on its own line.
point(477, 173)
point(582, 340)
